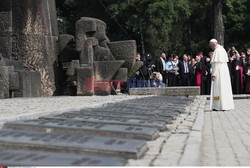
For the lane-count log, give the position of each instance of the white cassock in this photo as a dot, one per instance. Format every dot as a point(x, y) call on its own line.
point(221, 89)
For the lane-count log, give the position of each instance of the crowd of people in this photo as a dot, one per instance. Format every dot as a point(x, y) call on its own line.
point(172, 71)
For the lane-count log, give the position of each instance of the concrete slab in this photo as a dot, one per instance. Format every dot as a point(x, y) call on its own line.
point(168, 120)
point(85, 128)
point(32, 158)
point(103, 119)
point(64, 143)
point(166, 117)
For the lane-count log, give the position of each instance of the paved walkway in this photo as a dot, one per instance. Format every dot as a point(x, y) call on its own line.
point(226, 137)
point(169, 148)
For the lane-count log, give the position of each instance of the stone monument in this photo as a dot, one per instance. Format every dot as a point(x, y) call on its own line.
point(86, 64)
point(28, 33)
point(91, 62)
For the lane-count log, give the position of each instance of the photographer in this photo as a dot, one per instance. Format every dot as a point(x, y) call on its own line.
point(232, 52)
point(144, 73)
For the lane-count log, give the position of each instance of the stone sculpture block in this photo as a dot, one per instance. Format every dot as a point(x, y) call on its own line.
point(85, 77)
point(4, 76)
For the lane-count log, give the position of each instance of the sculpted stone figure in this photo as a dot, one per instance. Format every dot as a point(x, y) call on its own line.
point(101, 62)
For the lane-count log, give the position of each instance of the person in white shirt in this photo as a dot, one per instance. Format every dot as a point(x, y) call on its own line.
point(172, 70)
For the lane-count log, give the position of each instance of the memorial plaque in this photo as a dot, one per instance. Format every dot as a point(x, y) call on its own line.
point(136, 110)
point(149, 116)
point(149, 105)
point(64, 143)
point(33, 158)
point(85, 128)
point(110, 120)
point(145, 105)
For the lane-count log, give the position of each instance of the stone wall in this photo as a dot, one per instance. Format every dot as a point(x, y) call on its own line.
point(34, 39)
point(5, 28)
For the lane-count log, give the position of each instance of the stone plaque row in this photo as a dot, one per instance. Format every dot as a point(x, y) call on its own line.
point(115, 120)
point(65, 143)
point(124, 112)
point(85, 128)
point(34, 158)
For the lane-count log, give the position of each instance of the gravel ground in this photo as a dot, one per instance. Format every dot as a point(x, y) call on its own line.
point(31, 108)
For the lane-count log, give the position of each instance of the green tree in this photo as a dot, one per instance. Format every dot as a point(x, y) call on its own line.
point(237, 23)
point(172, 26)
point(156, 20)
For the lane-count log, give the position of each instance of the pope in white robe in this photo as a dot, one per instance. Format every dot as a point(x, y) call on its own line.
point(221, 90)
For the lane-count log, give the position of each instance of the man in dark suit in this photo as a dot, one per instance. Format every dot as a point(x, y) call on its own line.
point(185, 71)
point(160, 66)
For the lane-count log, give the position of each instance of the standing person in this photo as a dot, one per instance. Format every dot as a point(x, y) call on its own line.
point(206, 77)
point(202, 58)
point(232, 52)
point(172, 70)
point(198, 72)
point(189, 59)
point(138, 74)
point(238, 82)
point(230, 67)
point(248, 54)
point(160, 66)
point(247, 78)
point(221, 89)
point(184, 71)
point(177, 77)
point(243, 57)
point(193, 71)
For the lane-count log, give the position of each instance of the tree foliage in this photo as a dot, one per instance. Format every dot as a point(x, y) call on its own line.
point(172, 26)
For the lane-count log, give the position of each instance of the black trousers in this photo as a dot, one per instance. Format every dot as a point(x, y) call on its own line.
point(206, 85)
point(164, 76)
point(171, 79)
point(185, 80)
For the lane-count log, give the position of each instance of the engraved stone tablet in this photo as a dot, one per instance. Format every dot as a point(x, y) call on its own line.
point(110, 120)
point(121, 111)
point(135, 110)
point(130, 115)
point(33, 158)
point(85, 128)
point(63, 143)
